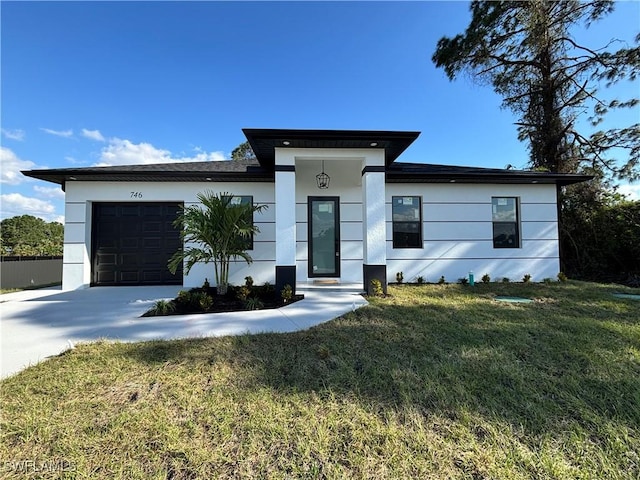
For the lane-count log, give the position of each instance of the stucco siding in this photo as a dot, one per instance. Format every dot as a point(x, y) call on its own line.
point(458, 233)
point(457, 226)
point(81, 195)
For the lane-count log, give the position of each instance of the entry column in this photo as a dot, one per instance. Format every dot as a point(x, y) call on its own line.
point(285, 226)
point(374, 225)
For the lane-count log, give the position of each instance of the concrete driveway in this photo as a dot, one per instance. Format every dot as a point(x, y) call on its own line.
point(38, 324)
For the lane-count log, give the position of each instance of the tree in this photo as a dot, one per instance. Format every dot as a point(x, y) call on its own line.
point(527, 52)
point(216, 233)
point(601, 236)
point(243, 152)
point(27, 235)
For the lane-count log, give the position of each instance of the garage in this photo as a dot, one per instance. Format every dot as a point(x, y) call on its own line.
point(132, 243)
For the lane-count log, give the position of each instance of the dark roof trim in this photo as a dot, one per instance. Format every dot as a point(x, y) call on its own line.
point(430, 173)
point(284, 168)
point(398, 173)
point(263, 141)
point(373, 169)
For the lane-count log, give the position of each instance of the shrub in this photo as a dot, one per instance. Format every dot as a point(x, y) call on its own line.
point(248, 281)
point(505, 280)
point(184, 298)
point(192, 301)
point(253, 303)
point(162, 307)
point(441, 280)
point(547, 280)
point(526, 278)
point(399, 277)
point(562, 277)
point(205, 302)
point(286, 293)
point(243, 293)
point(376, 287)
point(268, 289)
point(420, 280)
point(486, 278)
point(194, 304)
point(463, 280)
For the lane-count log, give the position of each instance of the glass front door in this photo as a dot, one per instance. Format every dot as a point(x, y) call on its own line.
point(324, 236)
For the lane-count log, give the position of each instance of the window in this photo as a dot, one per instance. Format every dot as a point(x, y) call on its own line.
point(245, 200)
point(407, 222)
point(506, 229)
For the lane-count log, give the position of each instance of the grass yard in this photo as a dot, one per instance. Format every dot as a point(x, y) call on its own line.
point(435, 381)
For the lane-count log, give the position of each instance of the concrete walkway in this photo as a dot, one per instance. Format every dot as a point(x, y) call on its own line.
point(38, 324)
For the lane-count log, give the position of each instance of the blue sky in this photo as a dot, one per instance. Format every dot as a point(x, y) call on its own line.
point(108, 83)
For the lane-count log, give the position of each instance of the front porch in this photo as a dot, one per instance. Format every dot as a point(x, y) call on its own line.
point(338, 230)
point(334, 228)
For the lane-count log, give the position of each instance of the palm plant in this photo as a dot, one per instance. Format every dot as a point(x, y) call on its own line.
point(218, 232)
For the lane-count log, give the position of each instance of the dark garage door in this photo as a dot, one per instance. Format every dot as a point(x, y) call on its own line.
point(132, 243)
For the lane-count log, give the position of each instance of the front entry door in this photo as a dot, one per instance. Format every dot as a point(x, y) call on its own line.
point(324, 236)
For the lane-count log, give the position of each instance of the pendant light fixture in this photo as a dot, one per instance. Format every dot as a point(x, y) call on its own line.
point(322, 179)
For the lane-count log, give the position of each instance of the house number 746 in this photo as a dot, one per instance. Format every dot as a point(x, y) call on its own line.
point(136, 194)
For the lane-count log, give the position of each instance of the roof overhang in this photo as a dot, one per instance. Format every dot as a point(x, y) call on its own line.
point(171, 172)
point(429, 173)
point(264, 141)
point(398, 174)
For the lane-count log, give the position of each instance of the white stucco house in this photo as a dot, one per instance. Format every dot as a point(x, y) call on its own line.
point(376, 216)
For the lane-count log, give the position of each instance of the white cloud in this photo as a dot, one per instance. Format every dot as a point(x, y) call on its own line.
point(14, 134)
point(13, 204)
point(125, 152)
point(204, 157)
point(11, 166)
point(632, 191)
point(59, 133)
point(93, 135)
point(48, 192)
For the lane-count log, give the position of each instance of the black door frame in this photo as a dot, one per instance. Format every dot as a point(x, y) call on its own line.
point(336, 203)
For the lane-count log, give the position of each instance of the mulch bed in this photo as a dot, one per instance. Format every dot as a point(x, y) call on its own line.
point(224, 303)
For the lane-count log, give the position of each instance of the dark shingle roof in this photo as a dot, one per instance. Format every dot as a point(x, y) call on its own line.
point(252, 171)
point(228, 171)
point(401, 172)
point(265, 141)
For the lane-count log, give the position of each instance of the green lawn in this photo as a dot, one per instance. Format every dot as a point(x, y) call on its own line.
point(435, 381)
